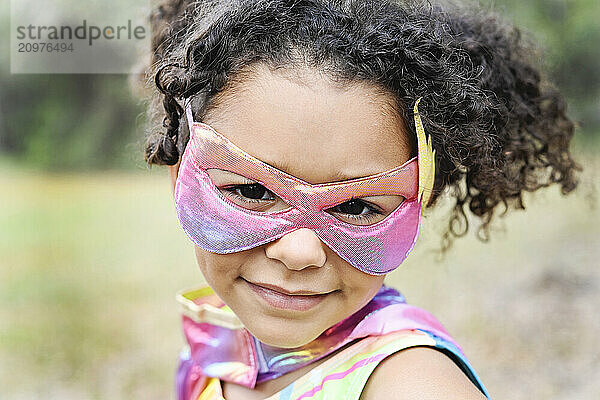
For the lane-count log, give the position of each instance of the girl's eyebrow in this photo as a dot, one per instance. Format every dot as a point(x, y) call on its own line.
point(283, 166)
point(342, 176)
point(337, 176)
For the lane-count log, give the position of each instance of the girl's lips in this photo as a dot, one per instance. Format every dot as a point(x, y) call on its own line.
point(286, 301)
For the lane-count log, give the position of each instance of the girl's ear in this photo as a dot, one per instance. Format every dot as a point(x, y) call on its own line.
point(173, 171)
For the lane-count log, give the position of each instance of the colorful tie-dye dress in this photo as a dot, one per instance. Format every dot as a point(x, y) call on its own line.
point(345, 374)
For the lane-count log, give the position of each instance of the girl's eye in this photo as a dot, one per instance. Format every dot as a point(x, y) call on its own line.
point(249, 193)
point(358, 211)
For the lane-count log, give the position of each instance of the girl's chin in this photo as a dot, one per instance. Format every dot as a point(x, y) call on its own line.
point(283, 343)
point(283, 338)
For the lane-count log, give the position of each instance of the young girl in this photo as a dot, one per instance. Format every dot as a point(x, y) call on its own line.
point(304, 139)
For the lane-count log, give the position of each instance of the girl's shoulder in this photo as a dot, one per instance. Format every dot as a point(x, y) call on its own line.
point(419, 373)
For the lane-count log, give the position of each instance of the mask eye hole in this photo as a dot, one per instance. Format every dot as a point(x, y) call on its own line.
point(245, 193)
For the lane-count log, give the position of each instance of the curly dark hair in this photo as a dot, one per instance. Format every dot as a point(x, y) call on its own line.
point(498, 127)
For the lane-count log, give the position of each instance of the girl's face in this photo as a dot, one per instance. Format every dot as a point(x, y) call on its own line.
point(301, 123)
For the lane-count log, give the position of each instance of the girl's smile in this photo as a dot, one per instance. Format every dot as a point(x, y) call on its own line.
point(298, 300)
point(290, 290)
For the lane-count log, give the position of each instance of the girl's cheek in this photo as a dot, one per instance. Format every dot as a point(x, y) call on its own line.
point(219, 269)
point(206, 264)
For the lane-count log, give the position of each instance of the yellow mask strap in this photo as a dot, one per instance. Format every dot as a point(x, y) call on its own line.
point(426, 160)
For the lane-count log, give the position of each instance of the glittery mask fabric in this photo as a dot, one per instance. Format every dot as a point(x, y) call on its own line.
point(218, 225)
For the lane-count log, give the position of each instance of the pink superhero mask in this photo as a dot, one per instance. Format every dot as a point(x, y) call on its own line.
point(218, 225)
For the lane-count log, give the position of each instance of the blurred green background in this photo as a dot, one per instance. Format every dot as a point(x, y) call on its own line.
point(91, 253)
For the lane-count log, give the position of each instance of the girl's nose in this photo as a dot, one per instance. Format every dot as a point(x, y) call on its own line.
point(298, 249)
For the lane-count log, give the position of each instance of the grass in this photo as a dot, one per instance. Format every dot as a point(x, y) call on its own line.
point(89, 268)
point(89, 264)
